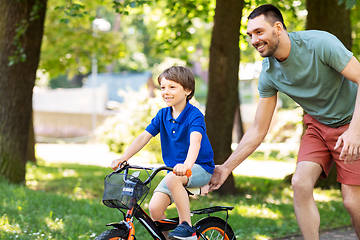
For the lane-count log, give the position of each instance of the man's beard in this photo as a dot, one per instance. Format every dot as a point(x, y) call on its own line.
point(272, 46)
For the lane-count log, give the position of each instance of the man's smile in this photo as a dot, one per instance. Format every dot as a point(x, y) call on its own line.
point(260, 46)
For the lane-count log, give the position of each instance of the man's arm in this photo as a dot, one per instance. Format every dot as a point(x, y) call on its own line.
point(351, 138)
point(248, 144)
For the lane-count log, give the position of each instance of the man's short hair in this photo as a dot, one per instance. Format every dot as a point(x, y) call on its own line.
point(181, 75)
point(271, 13)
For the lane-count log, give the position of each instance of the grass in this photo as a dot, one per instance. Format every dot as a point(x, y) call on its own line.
point(63, 201)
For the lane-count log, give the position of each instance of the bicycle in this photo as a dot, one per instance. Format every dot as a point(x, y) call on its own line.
point(127, 192)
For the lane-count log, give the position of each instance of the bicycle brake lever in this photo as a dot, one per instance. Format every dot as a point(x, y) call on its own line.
point(121, 166)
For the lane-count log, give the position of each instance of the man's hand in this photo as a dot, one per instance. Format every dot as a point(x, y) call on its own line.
point(351, 146)
point(218, 178)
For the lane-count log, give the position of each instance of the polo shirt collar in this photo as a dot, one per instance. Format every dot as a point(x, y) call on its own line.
point(182, 115)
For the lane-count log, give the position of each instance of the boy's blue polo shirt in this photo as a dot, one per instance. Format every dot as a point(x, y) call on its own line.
point(175, 136)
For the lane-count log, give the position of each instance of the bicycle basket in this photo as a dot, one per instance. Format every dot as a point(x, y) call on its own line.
point(123, 191)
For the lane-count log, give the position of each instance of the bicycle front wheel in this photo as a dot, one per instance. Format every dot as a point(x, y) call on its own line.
point(212, 228)
point(112, 234)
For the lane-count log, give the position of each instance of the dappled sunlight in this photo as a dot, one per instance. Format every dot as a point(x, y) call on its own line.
point(65, 179)
point(54, 224)
point(6, 226)
point(69, 173)
point(256, 211)
point(327, 195)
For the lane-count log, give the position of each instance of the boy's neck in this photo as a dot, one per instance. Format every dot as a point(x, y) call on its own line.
point(176, 110)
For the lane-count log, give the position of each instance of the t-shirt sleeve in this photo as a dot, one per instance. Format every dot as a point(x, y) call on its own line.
point(154, 127)
point(333, 52)
point(265, 86)
point(198, 124)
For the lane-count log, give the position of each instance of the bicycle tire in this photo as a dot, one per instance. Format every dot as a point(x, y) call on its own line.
point(213, 228)
point(112, 234)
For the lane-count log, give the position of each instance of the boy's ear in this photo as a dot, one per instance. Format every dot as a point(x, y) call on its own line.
point(188, 92)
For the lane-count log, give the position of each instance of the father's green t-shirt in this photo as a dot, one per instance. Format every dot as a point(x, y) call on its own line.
point(311, 77)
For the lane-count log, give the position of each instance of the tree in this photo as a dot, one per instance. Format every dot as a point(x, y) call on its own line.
point(21, 31)
point(223, 95)
point(329, 15)
point(68, 26)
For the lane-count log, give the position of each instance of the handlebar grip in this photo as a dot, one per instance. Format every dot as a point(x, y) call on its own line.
point(188, 173)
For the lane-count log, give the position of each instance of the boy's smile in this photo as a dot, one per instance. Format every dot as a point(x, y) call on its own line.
point(174, 94)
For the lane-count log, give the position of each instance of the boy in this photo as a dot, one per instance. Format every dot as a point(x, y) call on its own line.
point(184, 145)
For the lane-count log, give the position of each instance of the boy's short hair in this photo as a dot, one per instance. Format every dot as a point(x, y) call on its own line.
point(181, 75)
point(271, 13)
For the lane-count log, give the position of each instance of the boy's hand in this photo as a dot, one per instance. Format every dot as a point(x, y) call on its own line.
point(115, 163)
point(180, 169)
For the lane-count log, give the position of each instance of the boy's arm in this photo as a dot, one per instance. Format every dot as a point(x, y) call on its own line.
point(193, 152)
point(134, 147)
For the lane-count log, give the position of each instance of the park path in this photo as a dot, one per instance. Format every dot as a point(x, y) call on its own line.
point(99, 155)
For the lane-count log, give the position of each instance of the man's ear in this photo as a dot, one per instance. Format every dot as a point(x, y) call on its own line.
point(279, 28)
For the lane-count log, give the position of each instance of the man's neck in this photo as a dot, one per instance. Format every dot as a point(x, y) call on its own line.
point(284, 49)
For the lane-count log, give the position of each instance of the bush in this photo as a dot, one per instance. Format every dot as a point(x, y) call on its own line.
point(134, 115)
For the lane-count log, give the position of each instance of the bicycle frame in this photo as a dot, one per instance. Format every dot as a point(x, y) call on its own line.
point(155, 228)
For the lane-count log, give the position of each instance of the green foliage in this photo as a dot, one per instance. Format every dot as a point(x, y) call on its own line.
point(349, 3)
point(144, 34)
point(70, 42)
point(294, 18)
point(63, 201)
point(123, 7)
point(134, 115)
point(355, 24)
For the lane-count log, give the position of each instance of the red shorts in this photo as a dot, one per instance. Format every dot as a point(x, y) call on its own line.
point(317, 145)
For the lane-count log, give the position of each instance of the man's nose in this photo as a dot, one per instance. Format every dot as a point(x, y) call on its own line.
point(254, 40)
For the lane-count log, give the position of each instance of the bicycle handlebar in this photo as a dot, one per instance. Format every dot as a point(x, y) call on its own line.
point(126, 168)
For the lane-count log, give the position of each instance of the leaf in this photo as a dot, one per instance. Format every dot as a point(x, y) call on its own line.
point(64, 20)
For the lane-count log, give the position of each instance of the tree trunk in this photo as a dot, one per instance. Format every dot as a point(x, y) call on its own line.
point(223, 95)
point(329, 16)
point(17, 82)
point(31, 142)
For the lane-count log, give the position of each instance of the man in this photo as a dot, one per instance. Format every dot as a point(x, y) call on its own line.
point(319, 73)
